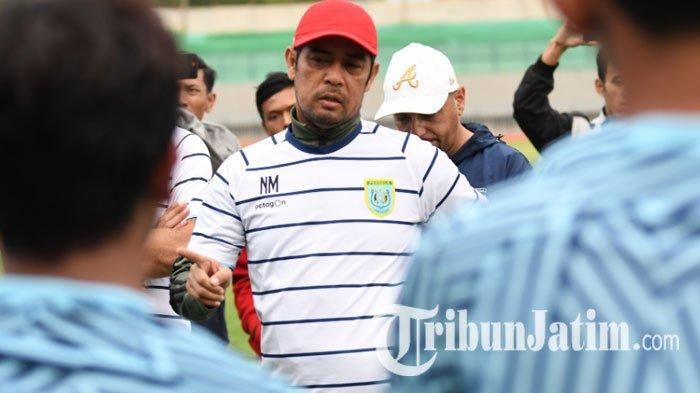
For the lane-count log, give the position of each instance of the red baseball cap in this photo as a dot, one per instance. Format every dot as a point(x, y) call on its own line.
point(339, 18)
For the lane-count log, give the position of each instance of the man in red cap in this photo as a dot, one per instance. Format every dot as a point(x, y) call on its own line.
point(328, 209)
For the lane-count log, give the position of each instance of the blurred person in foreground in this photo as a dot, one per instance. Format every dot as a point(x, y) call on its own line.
point(421, 91)
point(328, 210)
point(543, 124)
point(197, 98)
point(85, 153)
point(607, 229)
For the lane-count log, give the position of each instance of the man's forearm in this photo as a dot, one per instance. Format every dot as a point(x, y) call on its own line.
point(553, 53)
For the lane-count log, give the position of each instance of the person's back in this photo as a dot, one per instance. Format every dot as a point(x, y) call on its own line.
point(595, 254)
point(59, 335)
point(86, 119)
point(630, 255)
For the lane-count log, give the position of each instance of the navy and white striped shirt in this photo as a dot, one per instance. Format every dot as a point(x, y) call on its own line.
point(59, 335)
point(610, 221)
point(190, 174)
point(329, 232)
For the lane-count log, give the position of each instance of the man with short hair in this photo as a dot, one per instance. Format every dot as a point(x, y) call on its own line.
point(602, 239)
point(197, 94)
point(197, 97)
point(86, 121)
point(274, 99)
point(422, 92)
point(328, 211)
point(531, 108)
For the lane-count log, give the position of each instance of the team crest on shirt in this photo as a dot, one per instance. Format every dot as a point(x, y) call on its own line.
point(380, 196)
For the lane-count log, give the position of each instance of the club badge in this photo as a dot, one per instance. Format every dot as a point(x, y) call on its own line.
point(380, 196)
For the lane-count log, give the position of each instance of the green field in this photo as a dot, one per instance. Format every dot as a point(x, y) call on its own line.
point(239, 338)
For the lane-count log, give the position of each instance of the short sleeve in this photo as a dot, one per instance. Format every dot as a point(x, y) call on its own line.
point(444, 188)
point(219, 232)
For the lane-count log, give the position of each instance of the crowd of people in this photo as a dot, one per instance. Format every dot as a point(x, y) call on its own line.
point(126, 216)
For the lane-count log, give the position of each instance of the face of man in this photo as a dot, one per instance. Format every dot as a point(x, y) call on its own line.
point(276, 111)
point(194, 95)
point(331, 76)
point(441, 128)
point(613, 91)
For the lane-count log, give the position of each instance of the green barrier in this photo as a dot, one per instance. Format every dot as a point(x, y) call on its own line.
point(483, 47)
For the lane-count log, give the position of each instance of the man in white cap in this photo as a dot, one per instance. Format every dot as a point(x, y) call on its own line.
point(422, 92)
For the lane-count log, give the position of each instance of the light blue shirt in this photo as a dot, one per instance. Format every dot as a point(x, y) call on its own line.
point(609, 221)
point(67, 336)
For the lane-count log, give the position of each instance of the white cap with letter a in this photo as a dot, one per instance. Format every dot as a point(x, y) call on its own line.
point(418, 80)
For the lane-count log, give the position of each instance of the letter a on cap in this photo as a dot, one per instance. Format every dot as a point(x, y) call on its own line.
point(409, 76)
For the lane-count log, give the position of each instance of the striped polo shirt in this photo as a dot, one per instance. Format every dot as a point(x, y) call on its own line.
point(609, 222)
point(190, 174)
point(330, 232)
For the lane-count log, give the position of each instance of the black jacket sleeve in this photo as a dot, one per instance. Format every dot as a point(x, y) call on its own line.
point(532, 110)
point(181, 301)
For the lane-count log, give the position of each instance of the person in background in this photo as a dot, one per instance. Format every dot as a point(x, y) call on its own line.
point(531, 108)
point(274, 99)
point(422, 92)
point(87, 114)
point(197, 98)
point(602, 239)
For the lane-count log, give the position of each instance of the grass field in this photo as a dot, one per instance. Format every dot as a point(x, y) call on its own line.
point(238, 338)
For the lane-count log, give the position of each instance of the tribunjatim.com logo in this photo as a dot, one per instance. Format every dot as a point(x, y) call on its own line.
point(417, 329)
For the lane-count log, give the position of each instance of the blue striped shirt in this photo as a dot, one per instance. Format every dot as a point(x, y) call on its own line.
point(66, 336)
point(610, 222)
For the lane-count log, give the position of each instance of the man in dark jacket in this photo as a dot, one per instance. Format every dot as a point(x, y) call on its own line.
point(421, 91)
point(531, 108)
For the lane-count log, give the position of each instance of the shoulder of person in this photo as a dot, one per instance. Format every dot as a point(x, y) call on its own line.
point(401, 142)
point(507, 150)
point(254, 155)
point(219, 129)
point(188, 142)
